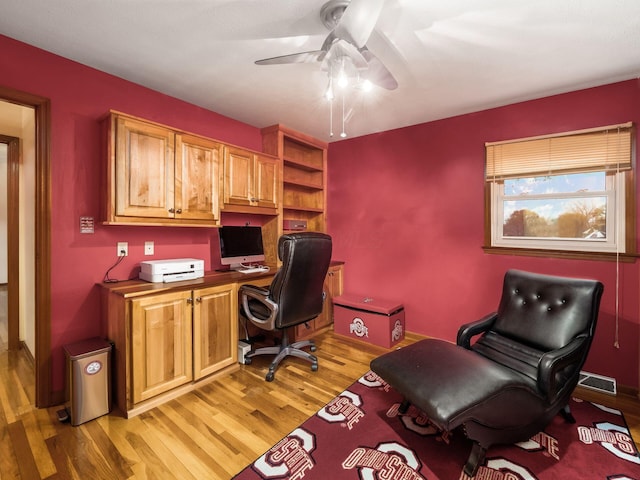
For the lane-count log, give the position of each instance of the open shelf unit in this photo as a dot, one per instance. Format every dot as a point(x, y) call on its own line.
point(304, 175)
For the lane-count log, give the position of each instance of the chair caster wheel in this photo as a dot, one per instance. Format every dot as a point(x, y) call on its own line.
point(313, 348)
point(314, 367)
point(269, 377)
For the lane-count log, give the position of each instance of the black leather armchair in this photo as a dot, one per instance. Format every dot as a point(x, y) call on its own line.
point(295, 296)
point(520, 373)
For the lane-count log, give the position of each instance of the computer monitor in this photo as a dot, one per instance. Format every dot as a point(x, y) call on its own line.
point(240, 246)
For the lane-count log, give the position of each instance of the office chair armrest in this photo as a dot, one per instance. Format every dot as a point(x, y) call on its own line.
point(551, 378)
point(255, 291)
point(469, 330)
point(261, 295)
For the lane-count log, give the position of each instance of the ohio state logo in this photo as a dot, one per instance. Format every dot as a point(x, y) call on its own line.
point(344, 409)
point(358, 328)
point(388, 461)
point(372, 380)
point(396, 333)
point(289, 458)
point(500, 469)
point(614, 438)
point(416, 421)
point(544, 442)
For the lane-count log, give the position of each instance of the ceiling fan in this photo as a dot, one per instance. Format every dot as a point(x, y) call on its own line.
point(344, 51)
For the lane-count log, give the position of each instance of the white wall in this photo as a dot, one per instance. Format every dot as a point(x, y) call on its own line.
point(18, 121)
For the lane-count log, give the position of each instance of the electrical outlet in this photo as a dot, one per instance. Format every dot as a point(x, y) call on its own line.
point(148, 248)
point(123, 249)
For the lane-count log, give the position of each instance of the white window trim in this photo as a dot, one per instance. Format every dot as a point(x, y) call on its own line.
point(615, 235)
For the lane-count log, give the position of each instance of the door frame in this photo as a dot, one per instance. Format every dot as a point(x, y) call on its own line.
point(42, 355)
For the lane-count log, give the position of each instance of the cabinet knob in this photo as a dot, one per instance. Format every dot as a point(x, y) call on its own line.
point(179, 211)
point(190, 301)
point(198, 299)
point(171, 210)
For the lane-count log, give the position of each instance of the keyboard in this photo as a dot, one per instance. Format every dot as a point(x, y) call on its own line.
point(253, 270)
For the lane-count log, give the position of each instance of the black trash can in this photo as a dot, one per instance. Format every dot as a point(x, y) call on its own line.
point(88, 379)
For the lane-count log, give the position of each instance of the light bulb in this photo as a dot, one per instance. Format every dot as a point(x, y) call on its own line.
point(367, 85)
point(343, 80)
point(328, 94)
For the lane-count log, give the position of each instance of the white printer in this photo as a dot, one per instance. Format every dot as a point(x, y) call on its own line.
point(173, 270)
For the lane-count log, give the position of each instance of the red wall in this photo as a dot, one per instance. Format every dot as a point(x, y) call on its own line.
point(80, 97)
point(405, 209)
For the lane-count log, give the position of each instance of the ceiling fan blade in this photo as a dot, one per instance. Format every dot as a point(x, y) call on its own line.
point(342, 48)
point(357, 22)
point(378, 74)
point(302, 57)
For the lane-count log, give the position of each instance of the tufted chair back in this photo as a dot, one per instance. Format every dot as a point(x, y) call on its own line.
point(545, 313)
point(539, 314)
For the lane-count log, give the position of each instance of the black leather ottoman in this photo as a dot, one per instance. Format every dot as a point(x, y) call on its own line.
point(459, 388)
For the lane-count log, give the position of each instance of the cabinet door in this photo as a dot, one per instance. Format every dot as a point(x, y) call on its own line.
point(197, 178)
point(238, 176)
point(144, 169)
point(215, 329)
point(266, 182)
point(161, 355)
point(333, 288)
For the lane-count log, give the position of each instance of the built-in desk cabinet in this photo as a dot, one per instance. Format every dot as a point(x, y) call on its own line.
point(215, 331)
point(333, 287)
point(168, 338)
point(161, 348)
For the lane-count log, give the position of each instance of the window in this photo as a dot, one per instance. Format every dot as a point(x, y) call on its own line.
point(571, 192)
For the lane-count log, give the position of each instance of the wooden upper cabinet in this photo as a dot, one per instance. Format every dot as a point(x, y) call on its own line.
point(266, 181)
point(144, 167)
point(250, 181)
point(161, 176)
point(197, 178)
point(238, 176)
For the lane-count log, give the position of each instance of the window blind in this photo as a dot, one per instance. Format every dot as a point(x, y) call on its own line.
point(604, 148)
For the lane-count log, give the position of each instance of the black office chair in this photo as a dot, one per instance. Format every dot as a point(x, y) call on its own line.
point(295, 296)
point(510, 383)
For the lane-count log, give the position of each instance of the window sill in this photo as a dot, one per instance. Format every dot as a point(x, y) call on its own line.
point(566, 254)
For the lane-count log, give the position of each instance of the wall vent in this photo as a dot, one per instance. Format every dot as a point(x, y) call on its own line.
point(600, 383)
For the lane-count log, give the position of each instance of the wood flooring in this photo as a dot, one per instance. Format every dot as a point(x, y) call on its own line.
point(210, 433)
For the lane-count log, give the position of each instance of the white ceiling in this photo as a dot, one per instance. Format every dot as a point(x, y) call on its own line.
point(449, 56)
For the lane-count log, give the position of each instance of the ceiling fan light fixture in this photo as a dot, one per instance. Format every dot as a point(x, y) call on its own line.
point(328, 94)
point(343, 77)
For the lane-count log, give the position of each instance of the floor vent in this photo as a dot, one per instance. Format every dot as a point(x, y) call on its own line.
point(598, 382)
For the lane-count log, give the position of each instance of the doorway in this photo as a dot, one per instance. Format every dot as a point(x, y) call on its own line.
point(36, 260)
